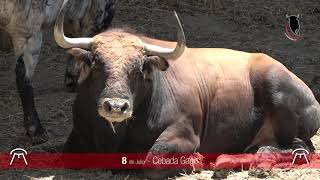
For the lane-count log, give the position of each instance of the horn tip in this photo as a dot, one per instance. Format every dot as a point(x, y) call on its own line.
point(176, 14)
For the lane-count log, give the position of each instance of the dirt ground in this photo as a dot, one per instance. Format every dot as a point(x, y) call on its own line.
point(253, 26)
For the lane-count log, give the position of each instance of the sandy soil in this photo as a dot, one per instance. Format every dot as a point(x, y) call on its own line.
point(249, 26)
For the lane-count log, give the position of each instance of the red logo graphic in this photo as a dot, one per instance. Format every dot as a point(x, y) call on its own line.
point(292, 28)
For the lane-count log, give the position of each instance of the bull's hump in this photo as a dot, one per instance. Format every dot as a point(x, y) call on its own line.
point(118, 41)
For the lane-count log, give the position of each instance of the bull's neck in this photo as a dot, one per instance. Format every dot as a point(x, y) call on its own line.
point(159, 98)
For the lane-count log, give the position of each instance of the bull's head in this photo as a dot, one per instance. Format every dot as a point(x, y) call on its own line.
point(117, 66)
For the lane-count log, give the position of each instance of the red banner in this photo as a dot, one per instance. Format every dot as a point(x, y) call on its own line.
point(135, 161)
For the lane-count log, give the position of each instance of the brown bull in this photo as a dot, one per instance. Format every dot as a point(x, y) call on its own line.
point(138, 94)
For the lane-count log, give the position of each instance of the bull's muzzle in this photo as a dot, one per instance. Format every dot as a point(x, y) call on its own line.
point(116, 106)
point(115, 109)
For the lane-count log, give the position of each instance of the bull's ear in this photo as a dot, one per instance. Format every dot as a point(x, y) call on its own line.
point(83, 59)
point(157, 62)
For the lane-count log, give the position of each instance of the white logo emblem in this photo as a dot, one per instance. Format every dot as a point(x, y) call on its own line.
point(300, 152)
point(17, 152)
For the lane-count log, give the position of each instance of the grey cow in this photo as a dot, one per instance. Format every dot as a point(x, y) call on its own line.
point(25, 20)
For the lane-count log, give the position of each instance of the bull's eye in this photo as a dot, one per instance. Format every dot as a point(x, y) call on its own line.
point(136, 73)
point(144, 65)
point(96, 58)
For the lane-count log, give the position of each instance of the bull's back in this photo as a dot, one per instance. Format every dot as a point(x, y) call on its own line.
point(220, 80)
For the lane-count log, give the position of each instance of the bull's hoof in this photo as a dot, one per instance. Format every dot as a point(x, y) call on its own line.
point(37, 136)
point(221, 173)
point(70, 86)
point(39, 139)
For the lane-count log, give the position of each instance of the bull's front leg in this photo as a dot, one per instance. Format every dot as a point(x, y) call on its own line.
point(27, 51)
point(177, 138)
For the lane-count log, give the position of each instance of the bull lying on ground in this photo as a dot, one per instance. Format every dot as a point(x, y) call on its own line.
point(24, 21)
point(135, 96)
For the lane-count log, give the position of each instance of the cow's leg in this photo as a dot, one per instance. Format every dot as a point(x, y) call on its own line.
point(177, 138)
point(28, 51)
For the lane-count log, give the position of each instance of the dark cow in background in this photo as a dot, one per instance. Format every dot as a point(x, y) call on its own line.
point(25, 22)
point(138, 94)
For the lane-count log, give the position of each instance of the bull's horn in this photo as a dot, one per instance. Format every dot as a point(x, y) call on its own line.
point(64, 41)
point(168, 53)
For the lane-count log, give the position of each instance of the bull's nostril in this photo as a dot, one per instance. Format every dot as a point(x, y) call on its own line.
point(124, 107)
point(107, 106)
point(116, 106)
